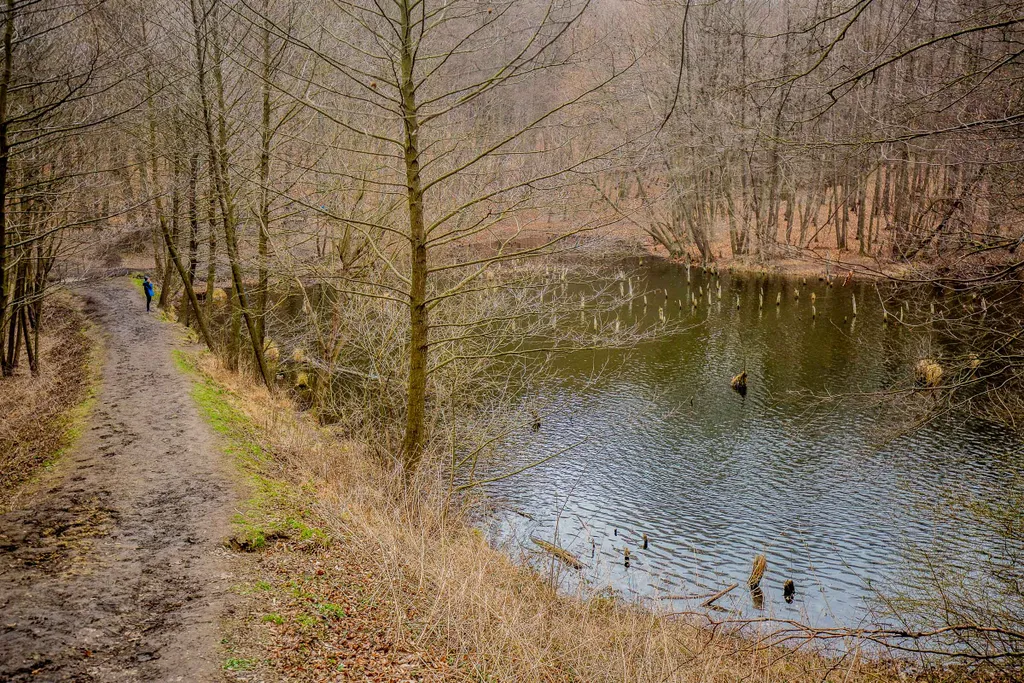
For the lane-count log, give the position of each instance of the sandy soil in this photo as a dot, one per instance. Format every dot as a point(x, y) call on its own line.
point(114, 569)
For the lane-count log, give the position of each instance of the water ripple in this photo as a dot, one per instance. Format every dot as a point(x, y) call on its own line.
point(714, 478)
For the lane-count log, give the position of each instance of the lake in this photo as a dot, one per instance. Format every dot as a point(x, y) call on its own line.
point(830, 491)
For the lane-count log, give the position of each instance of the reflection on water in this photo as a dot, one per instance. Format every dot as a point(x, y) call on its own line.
point(714, 478)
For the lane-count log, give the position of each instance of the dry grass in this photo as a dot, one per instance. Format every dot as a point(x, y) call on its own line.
point(41, 414)
point(440, 588)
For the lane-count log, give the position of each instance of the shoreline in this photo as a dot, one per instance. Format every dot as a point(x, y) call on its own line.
point(485, 584)
point(857, 267)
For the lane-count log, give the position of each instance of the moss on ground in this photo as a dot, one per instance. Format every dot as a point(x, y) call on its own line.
point(235, 664)
point(276, 508)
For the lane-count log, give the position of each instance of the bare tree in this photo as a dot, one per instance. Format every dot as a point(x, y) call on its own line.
point(412, 77)
point(58, 91)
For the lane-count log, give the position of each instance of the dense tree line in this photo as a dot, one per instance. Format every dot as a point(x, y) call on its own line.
point(885, 128)
point(59, 95)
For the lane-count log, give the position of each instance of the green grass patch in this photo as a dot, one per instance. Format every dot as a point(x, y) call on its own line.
point(295, 588)
point(136, 280)
point(186, 362)
point(235, 664)
point(331, 611)
point(275, 508)
point(306, 620)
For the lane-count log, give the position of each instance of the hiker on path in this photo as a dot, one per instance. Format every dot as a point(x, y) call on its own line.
point(147, 287)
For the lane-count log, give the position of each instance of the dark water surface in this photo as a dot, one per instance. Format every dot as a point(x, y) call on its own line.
point(714, 478)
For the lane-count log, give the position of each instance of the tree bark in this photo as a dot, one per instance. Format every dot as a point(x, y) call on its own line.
point(167, 288)
point(211, 247)
point(416, 394)
point(5, 154)
point(263, 219)
point(193, 234)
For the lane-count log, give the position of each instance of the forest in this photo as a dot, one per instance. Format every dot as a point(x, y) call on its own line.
point(399, 214)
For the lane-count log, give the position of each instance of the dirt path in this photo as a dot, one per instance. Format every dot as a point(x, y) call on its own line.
point(114, 570)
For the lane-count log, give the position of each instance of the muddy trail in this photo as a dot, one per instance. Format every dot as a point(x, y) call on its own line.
point(113, 568)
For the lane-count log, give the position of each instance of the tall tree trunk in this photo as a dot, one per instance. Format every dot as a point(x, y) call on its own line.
point(193, 232)
point(876, 207)
point(151, 162)
point(218, 140)
point(33, 367)
point(5, 156)
point(13, 338)
point(154, 183)
point(416, 395)
point(172, 256)
point(263, 219)
point(44, 262)
point(234, 330)
point(167, 286)
point(789, 215)
point(862, 191)
point(211, 247)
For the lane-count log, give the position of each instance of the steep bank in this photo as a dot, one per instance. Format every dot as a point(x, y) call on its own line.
point(43, 414)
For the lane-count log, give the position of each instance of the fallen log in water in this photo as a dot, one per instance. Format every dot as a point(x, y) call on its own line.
point(709, 601)
point(560, 553)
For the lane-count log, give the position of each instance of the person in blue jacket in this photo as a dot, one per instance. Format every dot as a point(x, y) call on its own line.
point(147, 287)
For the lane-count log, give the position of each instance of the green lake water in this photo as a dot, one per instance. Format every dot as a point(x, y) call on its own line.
point(827, 490)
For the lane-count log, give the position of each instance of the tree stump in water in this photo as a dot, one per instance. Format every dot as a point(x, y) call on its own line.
point(757, 571)
point(739, 383)
point(757, 597)
point(928, 373)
